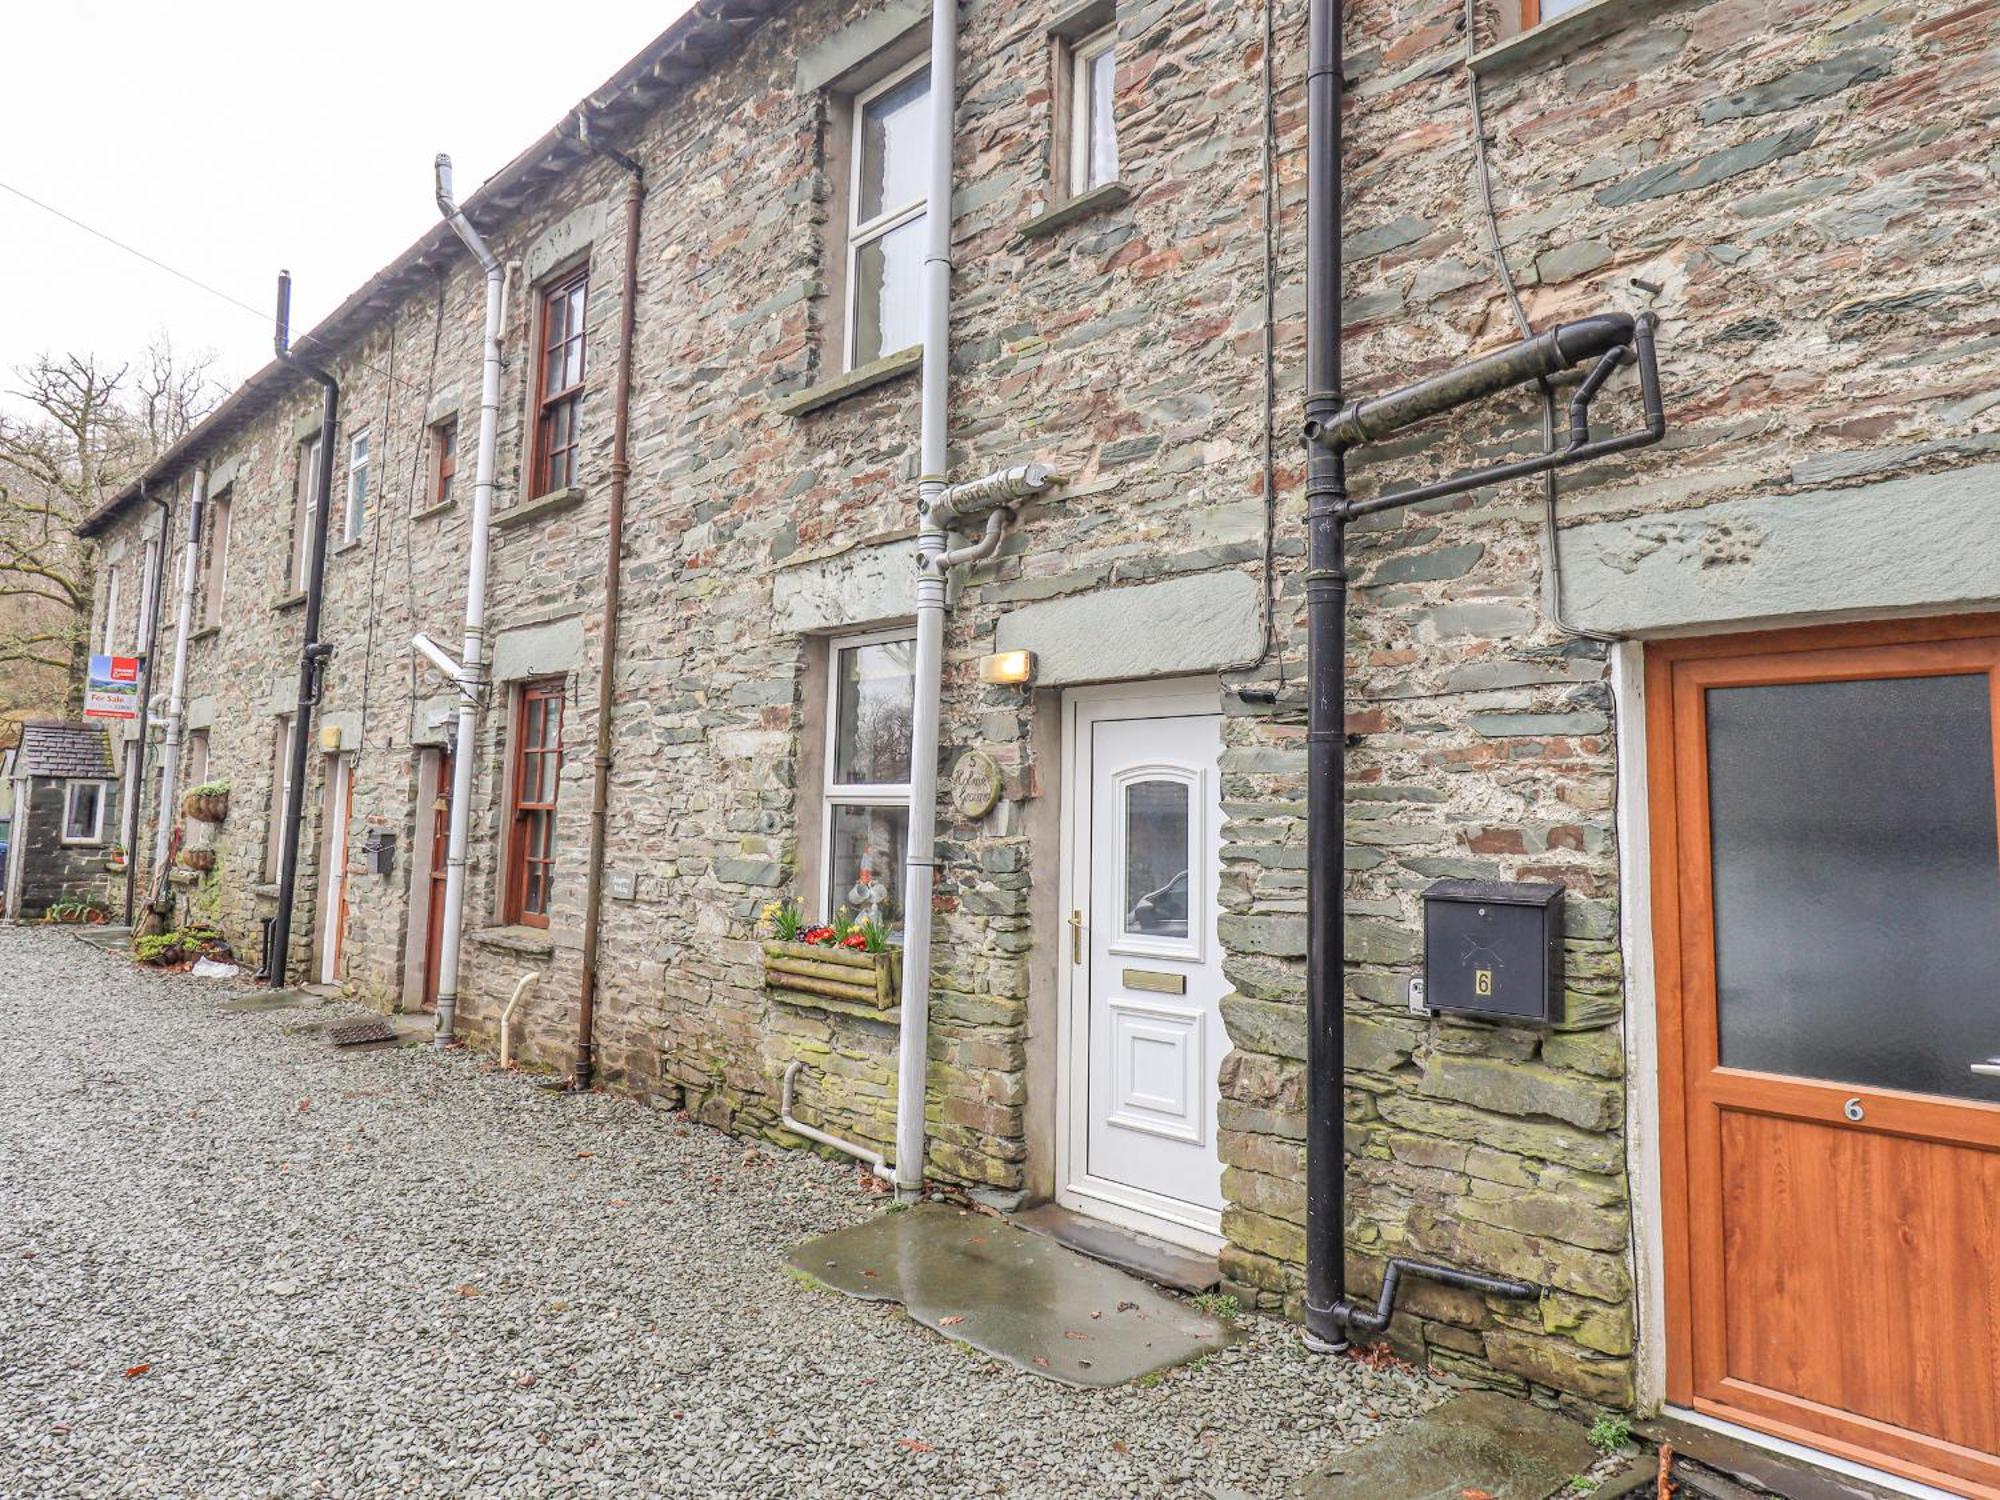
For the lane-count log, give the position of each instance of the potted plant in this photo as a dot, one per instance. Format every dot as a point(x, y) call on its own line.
point(207, 803)
point(846, 960)
point(199, 860)
point(115, 860)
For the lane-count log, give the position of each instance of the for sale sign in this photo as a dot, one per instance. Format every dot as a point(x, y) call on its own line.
point(113, 689)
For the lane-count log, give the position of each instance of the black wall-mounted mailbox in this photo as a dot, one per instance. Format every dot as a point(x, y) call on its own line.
point(1494, 949)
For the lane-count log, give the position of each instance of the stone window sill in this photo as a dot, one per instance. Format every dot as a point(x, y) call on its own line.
point(853, 383)
point(347, 546)
point(1588, 23)
point(432, 512)
point(532, 941)
point(206, 633)
point(289, 601)
point(1082, 206)
point(265, 890)
point(554, 503)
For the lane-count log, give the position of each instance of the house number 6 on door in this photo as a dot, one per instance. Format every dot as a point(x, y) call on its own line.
point(1853, 1110)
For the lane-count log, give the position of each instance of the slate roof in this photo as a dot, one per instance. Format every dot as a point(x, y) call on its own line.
point(54, 747)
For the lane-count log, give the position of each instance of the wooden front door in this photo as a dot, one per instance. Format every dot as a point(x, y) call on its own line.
point(1826, 877)
point(440, 842)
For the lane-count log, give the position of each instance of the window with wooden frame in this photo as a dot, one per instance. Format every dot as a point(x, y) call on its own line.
point(870, 701)
point(444, 460)
point(536, 773)
point(305, 506)
point(558, 383)
point(215, 561)
point(1093, 124)
point(83, 812)
point(888, 177)
point(1534, 12)
point(149, 569)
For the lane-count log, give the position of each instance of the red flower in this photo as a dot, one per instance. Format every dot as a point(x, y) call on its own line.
point(855, 940)
point(816, 935)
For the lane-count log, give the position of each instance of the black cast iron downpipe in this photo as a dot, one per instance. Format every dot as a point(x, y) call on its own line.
point(1603, 342)
point(313, 652)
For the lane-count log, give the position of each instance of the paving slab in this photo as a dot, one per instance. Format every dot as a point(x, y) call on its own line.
point(256, 1002)
point(1168, 1265)
point(107, 937)
point(1480, 1441)
point(1012, 1294)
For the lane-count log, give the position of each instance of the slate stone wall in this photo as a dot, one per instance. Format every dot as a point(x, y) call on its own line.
point(1804, 191)
point(51, 870)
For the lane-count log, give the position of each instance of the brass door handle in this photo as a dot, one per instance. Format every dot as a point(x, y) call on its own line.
point(1076, 937)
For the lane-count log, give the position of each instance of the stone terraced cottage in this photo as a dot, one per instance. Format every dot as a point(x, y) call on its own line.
point(1745, 724)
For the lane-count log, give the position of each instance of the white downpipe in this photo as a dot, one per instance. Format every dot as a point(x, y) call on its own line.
point(797, 1126)
point(913, 1056)
point(472, 670)
point(170, 721)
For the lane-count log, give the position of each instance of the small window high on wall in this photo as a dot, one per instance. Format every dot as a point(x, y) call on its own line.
point(83, 812)
point(870, 701)
point(1093, 149)
point(888, 179)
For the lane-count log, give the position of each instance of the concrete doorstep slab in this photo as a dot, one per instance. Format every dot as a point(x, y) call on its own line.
point(1166, 1265)
point(1017, 1296)
point(1478, 1443)
point(256, 1002)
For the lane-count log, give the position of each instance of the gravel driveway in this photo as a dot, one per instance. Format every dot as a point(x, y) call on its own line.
point(235, 1263)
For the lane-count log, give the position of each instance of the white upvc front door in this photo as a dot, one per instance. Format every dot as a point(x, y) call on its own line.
point(1140, 1037)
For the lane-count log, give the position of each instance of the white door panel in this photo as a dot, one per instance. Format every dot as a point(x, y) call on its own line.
point(1143, 1035)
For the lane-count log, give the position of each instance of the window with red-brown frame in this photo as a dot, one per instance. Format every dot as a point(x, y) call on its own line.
point(558, 383)
point(537, 768)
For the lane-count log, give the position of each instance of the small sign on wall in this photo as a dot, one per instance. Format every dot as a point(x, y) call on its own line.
point(112, 691)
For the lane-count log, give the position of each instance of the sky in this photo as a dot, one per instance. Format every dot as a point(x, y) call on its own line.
point(230, 140)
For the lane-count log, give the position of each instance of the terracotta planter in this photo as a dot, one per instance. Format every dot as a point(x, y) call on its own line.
point(812, 972)
point(206, 807)
point(196, 859)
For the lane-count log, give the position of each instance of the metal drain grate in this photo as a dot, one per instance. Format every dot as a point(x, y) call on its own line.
point(363, 1029)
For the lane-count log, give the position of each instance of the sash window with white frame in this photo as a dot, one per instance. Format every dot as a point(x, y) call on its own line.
point(885, 215)
point(83, 812)
point(305, 497)
point(871, 697)
point(1093, 152)
point(108, 638)
point(356, 516)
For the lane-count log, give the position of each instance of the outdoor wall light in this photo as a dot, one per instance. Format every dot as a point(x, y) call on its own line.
point(1007, 668)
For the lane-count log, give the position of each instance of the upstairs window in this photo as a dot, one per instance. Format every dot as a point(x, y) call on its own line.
point(355, 517)
point(305, 506)
point(559, 384)
point(215, 561)
point(444, 460)
point(1534, 12)
point(885, 223)
point(107, 639)
point(1093, 147)
point(142, 630)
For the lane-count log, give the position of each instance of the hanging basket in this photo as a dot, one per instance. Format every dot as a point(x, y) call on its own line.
point(206, 807)
point(201, 860)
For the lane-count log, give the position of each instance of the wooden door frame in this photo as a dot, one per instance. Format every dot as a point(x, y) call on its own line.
point(1180, 698)
point(333, 865)
point(1935, 646)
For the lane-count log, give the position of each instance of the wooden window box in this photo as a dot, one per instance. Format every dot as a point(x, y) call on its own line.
point(806, 973)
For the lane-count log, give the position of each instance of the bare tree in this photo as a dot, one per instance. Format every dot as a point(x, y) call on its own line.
point(90, 428)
